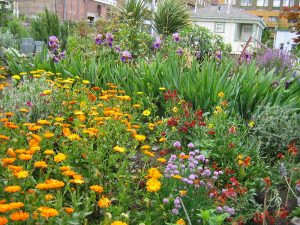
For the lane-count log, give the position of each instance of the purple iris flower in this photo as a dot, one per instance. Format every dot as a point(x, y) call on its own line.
point(109, 39)
point(157, 43)
point(176, 37)
point(98, 39)
point(179, 51)
point(53, 43)
point(126, 56)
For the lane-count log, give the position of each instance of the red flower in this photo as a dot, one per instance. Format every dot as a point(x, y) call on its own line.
point(280, 155)
point(268, 182)
point(292, 149)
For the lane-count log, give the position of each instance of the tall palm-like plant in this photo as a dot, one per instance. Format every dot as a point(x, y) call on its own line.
point(134, 11)
point(170, 16)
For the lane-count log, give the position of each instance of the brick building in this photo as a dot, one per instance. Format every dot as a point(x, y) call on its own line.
point(72, 10)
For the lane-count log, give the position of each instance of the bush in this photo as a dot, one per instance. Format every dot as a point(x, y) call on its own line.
point(170, 17)
point(276, 127)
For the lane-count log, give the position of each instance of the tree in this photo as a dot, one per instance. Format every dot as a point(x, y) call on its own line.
point(292, 15)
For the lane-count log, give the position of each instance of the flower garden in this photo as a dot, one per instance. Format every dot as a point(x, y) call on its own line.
point(117, 127)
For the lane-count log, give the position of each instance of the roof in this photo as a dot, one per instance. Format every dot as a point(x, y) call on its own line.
point(220, 13)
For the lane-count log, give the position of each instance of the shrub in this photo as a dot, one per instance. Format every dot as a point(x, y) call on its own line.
point(278, 59)
point(170, 17)
point(276, 127)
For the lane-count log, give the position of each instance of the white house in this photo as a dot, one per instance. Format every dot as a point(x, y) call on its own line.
point(233, 24)
point(284, 40)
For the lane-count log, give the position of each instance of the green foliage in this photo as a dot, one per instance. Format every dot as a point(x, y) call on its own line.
point(275, 128)
point(7, 39)
point(6, 16)
point(134, 12)
point(170, 17)
point(266, 37)
point(210, 218)
point(201, 39)
point(17, 28)
point(48, 24)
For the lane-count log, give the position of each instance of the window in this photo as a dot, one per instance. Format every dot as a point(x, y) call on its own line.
point(262, 3)
point(246, 32)
point(219, 28)
point(288, 3)
point(108, 13)
point(190, 6)
point(276, 3)
point(281, 46)
point(246, 2)
point(273, 19)
point(99, 10)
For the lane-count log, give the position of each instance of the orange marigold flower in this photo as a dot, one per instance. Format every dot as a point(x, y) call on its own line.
point(12, 189)
point(153, 185)
point(48, 134)
point(25, 157)
point(154, 173)
point(50, 184)
point(140, 137)
point(49, 152)
point(60, 157)
point(48, 197)
point(40, 164)
point(47, 212)
point(8, 161)
point(34, 128)
point(104, 202)
point(44, 122)
point(69, 210)
point(118, 222)
point(22, 174)
point(15, 205)
point(11, 152)
point(181, 222)
point(97, 188)
point(19, 216)
point(3, 220)
point(3, 137)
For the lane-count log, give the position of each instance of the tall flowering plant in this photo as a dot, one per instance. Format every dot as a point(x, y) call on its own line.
point(55, 52)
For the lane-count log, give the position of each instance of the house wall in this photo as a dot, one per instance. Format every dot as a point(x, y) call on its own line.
point(231, 34)
point(73, 10)
point(285, 38)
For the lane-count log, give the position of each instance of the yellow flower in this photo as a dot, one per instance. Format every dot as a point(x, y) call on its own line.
point(24, 110)
point(118, 222)
point(181, 222)
point(162, 88)
point(251, 124)
point(47, 92)
point(161, 160)
point(73, 137)
point(175, 109)
point(44, 122)
point(154, 173)
point(146, 152)
point(40, 164)
point(48, 134)
point(119, 149)
point(47, 212)
point(12, 189)
point(60, 157)
point(146, 113)
point(140, 137)
point(97, 188)
point(49, 197)
point(182, 192)
point(153, 185)
point(49, 152)
point(163, 139)
point(85, 82)
point(104, 202)
point(16, 77)
point(22, 174)
point(221, 94)
point(145, 147)
point(210, 126)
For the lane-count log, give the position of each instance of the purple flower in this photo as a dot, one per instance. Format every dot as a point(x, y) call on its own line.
point(109, 39)
point(191, 145)
point(56, 59)
point(218, 55)
point(177, 201)
point(98, 39)
point(177, 144)
point(126, 56)
point(29, 104)
point(192, 177)
point(117, 48)
point(179, 51)
point(165, 200)
point(176, 37)
point(219, 209)
point(53, 43)
point(230, 211)
point(201, 158)
point(175, 211)
point(206, 173)
point(157, 43)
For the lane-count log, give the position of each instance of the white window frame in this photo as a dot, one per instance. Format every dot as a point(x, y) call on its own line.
point(246, 2)
point(264, 3)
point(220, 29)
point(243, 33)
point(276, 3)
